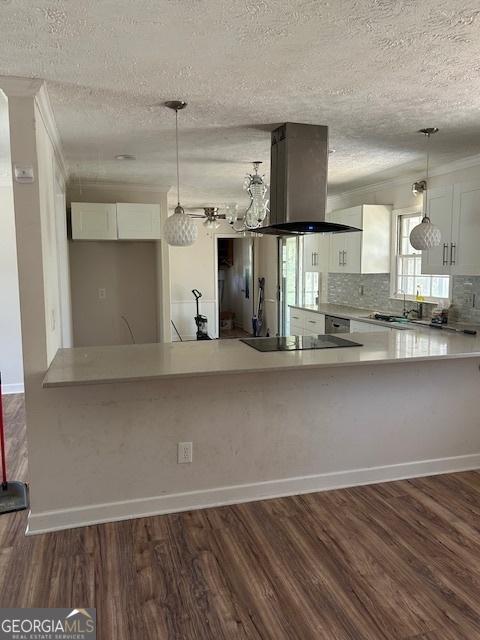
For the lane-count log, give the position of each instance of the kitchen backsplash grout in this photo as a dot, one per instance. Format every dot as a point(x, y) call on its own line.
point(372, 291)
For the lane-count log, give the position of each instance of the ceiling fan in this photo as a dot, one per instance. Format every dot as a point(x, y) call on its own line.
point(211, 215)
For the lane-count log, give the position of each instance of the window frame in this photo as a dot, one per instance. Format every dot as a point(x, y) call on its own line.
point(394, 247)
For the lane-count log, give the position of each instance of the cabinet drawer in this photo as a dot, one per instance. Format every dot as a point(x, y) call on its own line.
point(314, 323)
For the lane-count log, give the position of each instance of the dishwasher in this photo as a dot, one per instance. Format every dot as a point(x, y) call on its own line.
point(336, 325)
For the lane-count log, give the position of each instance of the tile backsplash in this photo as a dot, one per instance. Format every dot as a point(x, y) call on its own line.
point(372, 291)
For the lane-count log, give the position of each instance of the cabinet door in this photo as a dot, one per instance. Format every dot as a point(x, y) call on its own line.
point(337, 253)
point(439, 207)
point(464, 253)
point(94, 221)
point(353, 241)
point(345, 248)
point(138, 221)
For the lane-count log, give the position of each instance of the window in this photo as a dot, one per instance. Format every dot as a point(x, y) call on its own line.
point(408, 276)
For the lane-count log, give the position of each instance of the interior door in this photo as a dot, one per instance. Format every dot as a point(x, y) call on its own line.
point(439, 208)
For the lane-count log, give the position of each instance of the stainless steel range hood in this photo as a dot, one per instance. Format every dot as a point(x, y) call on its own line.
point(298, 181)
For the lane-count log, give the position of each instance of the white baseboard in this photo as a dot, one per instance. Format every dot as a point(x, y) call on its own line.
point(157, 505)
point(13, 388)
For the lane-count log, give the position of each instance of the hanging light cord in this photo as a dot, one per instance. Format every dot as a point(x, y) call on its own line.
point(425, 211)
point(178, 163)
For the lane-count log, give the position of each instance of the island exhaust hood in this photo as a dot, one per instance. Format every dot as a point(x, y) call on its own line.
point(298, 182)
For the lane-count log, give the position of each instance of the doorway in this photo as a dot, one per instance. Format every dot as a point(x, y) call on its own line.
point(235, 277)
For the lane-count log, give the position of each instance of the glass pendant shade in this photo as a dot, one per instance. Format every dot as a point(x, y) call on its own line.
point(179, 229)
point(425, 235)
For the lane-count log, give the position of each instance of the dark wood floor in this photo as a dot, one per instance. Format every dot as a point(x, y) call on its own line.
point(398, 561)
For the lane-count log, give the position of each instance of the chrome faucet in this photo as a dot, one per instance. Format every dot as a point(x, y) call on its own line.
point(406, 312)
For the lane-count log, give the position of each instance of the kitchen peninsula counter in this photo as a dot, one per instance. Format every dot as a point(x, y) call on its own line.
point(130, 363)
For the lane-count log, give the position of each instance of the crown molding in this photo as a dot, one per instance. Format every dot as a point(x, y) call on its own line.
point(444, 169)
point(17, 87)
point(74, 183)
point(44, 105)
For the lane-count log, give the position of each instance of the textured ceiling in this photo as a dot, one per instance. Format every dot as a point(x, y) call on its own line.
point(374, 71)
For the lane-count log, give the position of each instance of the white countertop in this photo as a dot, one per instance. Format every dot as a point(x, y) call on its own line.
point(349, 313)
point(129, 363)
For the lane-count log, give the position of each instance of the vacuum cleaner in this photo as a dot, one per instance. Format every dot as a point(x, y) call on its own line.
point(200, 321)
point(13, 495)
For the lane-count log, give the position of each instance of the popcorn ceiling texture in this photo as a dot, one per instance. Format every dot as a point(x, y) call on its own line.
point(344, 288)
point(375, 71)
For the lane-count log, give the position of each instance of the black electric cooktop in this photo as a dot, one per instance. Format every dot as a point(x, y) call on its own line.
point(299, 343)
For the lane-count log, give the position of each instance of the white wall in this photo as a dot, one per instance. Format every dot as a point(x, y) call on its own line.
point(127, 273)
point(121, 192)
point(11, 365)
point(54, 242)
point(254, 435)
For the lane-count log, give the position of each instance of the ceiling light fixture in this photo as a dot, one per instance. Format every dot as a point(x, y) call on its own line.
point(425, 235)
point(125, 156)
point(179, 229)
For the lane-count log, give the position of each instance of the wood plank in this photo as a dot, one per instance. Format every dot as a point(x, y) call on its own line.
point(396, 561)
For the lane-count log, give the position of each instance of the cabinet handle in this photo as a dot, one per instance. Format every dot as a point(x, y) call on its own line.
point(344, 258)
point(445, 253)
point(295, 317)
point(312, 321)
point(339, 258)
point(453, 252)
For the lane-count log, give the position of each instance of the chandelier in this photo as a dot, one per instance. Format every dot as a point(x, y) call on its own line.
point(257, 210)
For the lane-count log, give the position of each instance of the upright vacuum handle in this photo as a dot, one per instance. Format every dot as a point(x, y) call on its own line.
point(196, 293)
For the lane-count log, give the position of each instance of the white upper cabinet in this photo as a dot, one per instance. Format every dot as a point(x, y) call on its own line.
point(138, 221)
point(367, 251)
point(94, 221)
point(464, 250)
point(439, 210)
point(120, 221)
point(456, 211)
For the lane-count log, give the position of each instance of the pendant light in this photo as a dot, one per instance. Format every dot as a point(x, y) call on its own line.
point(179, 229)
point(426, 235)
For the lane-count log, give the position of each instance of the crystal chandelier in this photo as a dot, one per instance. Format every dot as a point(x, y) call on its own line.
point(257, 210)
point(425, 235)
point(179, 229)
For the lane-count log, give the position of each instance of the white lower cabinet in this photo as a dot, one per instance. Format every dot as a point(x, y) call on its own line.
point(306, 323)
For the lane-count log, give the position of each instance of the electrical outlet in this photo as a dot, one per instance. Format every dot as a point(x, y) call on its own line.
point(102, 294)
point(468, 295)
point(184, 452)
